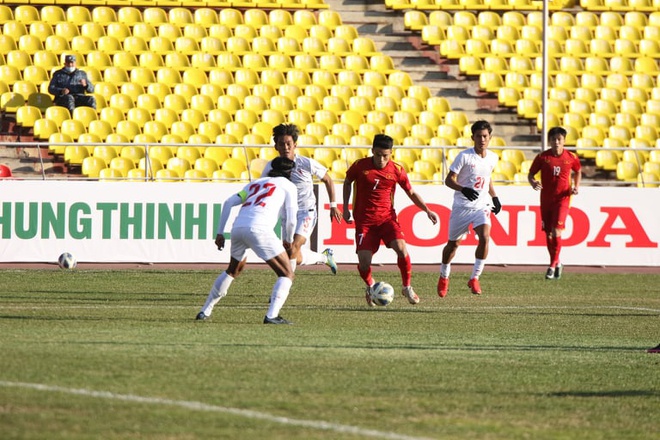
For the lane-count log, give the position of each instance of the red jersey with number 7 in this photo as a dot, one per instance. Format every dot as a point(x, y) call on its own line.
point(373, 199)
point(555, 174)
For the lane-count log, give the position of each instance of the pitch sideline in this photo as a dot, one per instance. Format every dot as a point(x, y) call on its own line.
point(200, 406)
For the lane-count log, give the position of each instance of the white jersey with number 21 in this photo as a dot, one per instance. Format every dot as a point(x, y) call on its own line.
point(473, 171)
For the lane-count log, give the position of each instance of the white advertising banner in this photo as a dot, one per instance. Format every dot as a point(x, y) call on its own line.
point(175, 222)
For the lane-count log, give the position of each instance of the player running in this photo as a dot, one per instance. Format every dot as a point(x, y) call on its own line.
point(375, 181)
point(285, 137)
point(561, 173)
point(262, 203)
point(469, 175)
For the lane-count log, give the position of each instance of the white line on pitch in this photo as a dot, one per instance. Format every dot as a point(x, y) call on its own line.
point(199, 406)
point(448, 307)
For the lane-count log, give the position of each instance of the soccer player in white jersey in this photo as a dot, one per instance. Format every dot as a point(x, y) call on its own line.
point(285, 137)
point(262, 202)
point(474, 200)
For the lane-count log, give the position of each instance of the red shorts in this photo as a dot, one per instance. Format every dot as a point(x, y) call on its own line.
point(553, 215)
point(368, 238)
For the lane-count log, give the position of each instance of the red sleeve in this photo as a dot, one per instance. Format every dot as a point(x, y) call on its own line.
point(536, 165)
point(403, 181)
point(577, 166)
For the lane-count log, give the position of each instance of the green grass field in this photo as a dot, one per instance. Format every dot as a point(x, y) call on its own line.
point(90, 354)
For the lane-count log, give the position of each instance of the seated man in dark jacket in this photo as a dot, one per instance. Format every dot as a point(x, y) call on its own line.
point(69, 85)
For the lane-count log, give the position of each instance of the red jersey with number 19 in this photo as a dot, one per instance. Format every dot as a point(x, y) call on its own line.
point(373, 200)
point(555, 174)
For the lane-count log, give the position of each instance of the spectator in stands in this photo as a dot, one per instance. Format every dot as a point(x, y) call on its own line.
point(69, 85)
point(561, 173)
point(474, 201)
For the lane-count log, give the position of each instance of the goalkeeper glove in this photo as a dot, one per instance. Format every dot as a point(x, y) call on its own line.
point(497, 206)
point(470, 194)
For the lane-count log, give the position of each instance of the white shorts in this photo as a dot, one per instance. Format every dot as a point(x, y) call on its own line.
point(461, 219)
point(265, 243)
point(305, 223)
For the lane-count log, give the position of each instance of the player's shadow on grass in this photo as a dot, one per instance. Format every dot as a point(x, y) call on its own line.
point(612, 393)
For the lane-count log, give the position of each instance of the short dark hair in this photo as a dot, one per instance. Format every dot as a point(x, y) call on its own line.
point(286, 130)
point(481, 125)
point(383, 141)
point(554, 131)
point(281, 167)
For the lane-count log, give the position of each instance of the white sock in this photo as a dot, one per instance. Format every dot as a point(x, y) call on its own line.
point(478, 268)
point(445, 270)
point(294, 263)
point(311, 257)
point(278, 296)
point(218, 291)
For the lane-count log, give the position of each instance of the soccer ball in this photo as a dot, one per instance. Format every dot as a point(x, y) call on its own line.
point(67, 261)
point(382, 294)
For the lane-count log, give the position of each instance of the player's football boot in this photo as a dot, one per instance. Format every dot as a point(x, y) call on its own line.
point(654, 350)
point(474, 286)
point(558, 270)
point(367, 297)
point(276, 320)
point(201, 316)
point(443, 286)
point(330, 260)
point(410, 294)
point(550, 273)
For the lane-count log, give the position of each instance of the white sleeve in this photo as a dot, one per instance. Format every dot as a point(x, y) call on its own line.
point(232, 201)
point(317, 169)
point(291, 209)
point(267, 169)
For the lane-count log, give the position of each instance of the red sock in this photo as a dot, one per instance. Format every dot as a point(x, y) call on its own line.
point(406, 269)
point(556, 249)
point(551, 249)
point(366, 276)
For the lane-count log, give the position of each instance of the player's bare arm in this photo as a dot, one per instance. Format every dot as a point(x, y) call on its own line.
point(417, 200)
point(535, 183)
point(577, 178)
point(348, 186)
point(330, 187)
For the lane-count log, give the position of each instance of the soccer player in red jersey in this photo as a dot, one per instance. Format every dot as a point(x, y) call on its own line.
point(560, 179)
point(375, 179)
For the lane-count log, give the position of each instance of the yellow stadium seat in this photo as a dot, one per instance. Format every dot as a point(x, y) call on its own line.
point(73, 128)
point(56, 138)
point(130, 129)
point(84, 115)
point(92, 166)
point(52, 14)
point(627, 171)
point(27, 115)
point(76, 154)
point(44, 127)
point(110, 174)
point(122, 164)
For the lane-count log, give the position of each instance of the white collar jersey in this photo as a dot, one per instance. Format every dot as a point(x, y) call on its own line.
point(473, 171)
point(265, 201)
point(303, 177)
